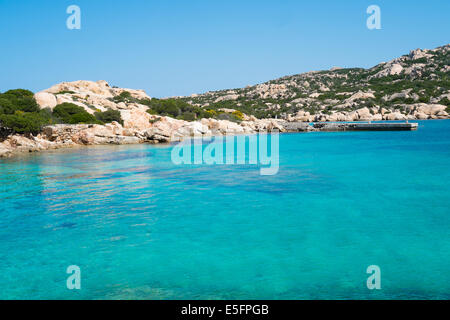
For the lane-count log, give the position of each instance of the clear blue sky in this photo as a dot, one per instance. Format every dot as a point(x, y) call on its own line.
point(182, 47)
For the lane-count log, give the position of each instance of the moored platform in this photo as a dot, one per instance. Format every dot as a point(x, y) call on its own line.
point(385, 126)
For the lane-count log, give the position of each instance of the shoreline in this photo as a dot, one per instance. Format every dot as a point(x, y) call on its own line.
point(39, 144)
point(127, 116)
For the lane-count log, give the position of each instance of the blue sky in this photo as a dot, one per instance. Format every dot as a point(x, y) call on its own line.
point(182, 47)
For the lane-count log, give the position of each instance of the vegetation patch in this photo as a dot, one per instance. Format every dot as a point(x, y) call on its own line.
point(64, 92)
point(175, 108)
point(19, 113)
point(125, 96)
point(109, 116)
point(445, 102)
point(72, 114)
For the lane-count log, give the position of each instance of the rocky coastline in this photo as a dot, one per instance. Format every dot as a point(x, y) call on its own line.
point(165, 130)
point(139, 126)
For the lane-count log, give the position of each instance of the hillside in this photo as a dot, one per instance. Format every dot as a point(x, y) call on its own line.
point(415, 86)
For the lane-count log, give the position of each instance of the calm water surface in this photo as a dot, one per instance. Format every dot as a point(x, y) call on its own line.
point(140, 227)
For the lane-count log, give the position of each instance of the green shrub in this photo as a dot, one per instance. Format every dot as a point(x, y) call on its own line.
point(175, 108)
point(402, 100)
point(6, 105)
point(125, 96)
point(18, 100)
point(170, 108)
point(4, 132)
point(152, 112)
point(211, 113)
point(109, 116)
point(424, 99)
point(420, 60)
point(152, 121)
point(445, 102)
point(73, 114)
point(65, 91)
point(188, 116)
point(83, 118)
point(24, 122)
point(239, 115)
point(20, 114)
point(229, 117)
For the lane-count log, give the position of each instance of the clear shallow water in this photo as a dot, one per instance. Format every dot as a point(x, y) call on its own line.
point(140, 227)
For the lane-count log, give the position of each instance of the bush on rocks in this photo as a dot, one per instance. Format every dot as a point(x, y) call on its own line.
point(72, 114)
point(19, 113)
point(18, 100)
point(28, 123)
point(109, 116)
point(175, 108)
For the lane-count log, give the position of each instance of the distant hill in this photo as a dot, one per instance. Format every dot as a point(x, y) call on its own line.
point(406, 85)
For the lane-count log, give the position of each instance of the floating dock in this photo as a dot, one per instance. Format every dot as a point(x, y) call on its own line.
point(348, 126)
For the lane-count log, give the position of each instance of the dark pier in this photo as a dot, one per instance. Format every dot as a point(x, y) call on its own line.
point(348, 126)
point(357, 126)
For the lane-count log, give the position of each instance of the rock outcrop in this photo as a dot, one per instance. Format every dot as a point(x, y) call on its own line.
point(46, 100)
point(138, 125)
point(90, 95)
point(162, 131)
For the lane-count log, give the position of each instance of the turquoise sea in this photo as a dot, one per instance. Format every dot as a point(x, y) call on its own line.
point(140, 227)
